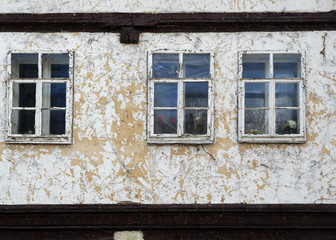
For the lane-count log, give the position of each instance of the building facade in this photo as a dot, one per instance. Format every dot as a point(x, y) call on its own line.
point(167, 117)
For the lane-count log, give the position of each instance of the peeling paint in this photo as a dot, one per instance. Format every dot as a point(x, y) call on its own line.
point(109, 160)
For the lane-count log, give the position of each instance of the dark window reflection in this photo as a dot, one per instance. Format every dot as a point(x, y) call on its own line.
point(54, 95)
point(59, 71)
point(165, 65)
point(165, 122)
point(256, 95)
point(253, 70)
point(58, 95)
point(24, 65)
point(165, 94)
point(286, 95)
point(28, 71)
point(55, 65)
point(285, 70)
point(256, 121)
point(57, 122)
point(53, 122)
point(196, 65)
point(24, 94)
point(23, 121)
point(195, 121)
point(287, 65)
point(196, 94)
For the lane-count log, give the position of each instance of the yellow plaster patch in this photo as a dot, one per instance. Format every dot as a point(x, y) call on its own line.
point(107, 66)
point(324, 150)
point(90, 175)
point(225, 143)
point(314, 99)
point(47, 192)
point(312, 137)
point(223, 170)
point(243, 147)
point(181, 193)
point(91, 147)
point(209, 197)
point(254, 164)
point(137, 172)
point(181, 182)
point(89, 75)
point(180, 151)
point(333, 142)
point(261, 187)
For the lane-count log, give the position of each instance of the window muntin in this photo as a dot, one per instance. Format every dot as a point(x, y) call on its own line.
point(180, 98)
point(271, 102)
point(40, 97)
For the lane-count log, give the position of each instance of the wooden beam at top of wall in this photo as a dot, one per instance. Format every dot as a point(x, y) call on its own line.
point(131, 24)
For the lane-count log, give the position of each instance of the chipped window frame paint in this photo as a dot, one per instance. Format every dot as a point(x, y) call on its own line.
point(272, 137)
point(179, 138)
point(38, 138)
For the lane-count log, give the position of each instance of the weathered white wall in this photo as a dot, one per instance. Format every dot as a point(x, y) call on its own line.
point(44, 6)
point(110, 161)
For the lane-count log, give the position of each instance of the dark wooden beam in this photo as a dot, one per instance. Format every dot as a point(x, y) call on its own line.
point(228, 221)
point(129, 35)
point(166, 22)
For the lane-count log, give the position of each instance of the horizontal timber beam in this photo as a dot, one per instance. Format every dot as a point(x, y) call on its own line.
point(210, 221)
point(130, 25)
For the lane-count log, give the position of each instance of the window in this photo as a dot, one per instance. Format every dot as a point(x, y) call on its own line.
point(40, 90)
point(180, 94)
point(271, 97)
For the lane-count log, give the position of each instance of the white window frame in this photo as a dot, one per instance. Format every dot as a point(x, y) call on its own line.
point(180, 137)
point(272, 137)
point(38, 138)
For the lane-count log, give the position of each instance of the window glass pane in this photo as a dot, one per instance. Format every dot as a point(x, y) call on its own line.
point(53, 122)
point(165, 65)
point(165, 94)
point(24, 94)
point(165, 121)
point(287, 65)
point(53, 95)
point(23, 121)
point(256, 121)
point(196, 94)
point(195, 121)
point(24, 65)
point(55, 65)
point(256, 66)
point(256, 95)
point(287, 121)
point(287, 95)
point(196, 65)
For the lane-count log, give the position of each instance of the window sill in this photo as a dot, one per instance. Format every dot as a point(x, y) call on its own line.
point(39, 140)
point(275, 139)
point(191, 140)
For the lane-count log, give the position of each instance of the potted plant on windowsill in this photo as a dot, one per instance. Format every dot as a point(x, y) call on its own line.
point(255, 132)
point(287, 127)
